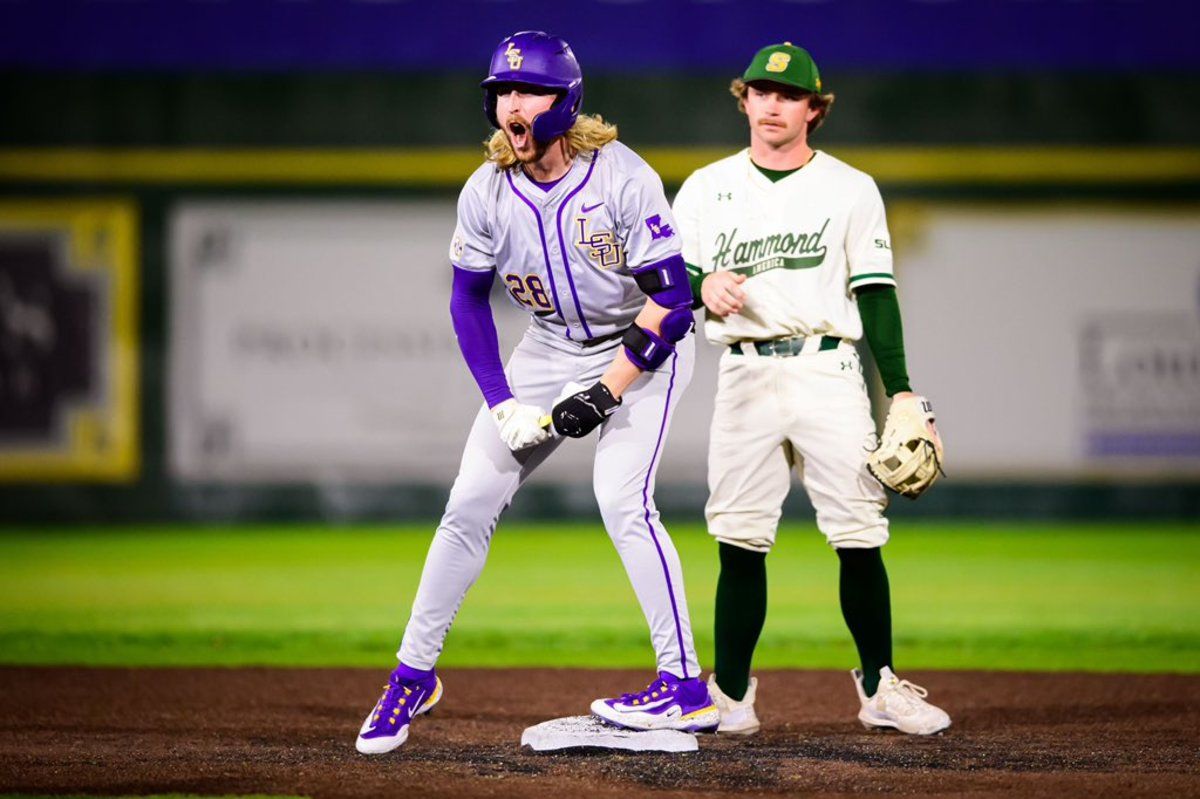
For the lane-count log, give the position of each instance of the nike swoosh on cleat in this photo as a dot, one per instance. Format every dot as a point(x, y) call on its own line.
point(587, 209)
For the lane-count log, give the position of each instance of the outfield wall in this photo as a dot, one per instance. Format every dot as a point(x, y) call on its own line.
point(310, 341)
point(1045, 250)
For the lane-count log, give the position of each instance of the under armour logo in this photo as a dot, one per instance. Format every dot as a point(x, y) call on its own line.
point(724, 195)
point(847, 366)
point(657, 229)
point(513, 53)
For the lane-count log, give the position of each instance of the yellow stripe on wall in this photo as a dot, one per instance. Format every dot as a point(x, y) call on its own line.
point(449, 167)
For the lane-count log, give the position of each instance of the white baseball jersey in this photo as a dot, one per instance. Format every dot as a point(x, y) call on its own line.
point(565, 254)
point(805, 243)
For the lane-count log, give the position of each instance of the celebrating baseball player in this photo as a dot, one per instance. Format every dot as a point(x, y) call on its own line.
point(788, 250)
point(578, 229)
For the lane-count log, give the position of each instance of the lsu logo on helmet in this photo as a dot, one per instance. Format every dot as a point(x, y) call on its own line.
point(513, 53)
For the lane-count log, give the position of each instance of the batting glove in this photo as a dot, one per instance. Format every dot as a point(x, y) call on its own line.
point(584, 411)
point(519, 425)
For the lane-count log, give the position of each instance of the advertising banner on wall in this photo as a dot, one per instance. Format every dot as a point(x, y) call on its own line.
point(1057, 342)
point(312, 342)
point(68, 341)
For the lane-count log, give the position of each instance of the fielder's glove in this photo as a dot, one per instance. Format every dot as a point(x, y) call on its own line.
point(519, 425)
point(909, 458)
point(584, 411)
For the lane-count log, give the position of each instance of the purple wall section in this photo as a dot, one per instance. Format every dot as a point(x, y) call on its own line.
point(612, 35)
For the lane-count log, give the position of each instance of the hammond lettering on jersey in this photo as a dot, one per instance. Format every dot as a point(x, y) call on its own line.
point(775, 251)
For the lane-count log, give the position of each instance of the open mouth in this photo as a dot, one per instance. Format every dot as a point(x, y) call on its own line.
point(518, 133)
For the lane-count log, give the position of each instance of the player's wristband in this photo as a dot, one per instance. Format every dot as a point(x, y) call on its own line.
point(695, 282)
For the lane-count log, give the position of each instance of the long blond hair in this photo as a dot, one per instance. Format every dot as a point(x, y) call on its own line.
point(589, 133)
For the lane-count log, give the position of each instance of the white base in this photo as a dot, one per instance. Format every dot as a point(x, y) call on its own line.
point(578, 732)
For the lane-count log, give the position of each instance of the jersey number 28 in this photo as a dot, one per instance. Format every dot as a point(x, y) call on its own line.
point(529, 291)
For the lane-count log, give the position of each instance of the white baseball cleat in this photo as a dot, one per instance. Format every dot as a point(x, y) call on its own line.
point(900, 704)
point(737, 716)
point(668, 703)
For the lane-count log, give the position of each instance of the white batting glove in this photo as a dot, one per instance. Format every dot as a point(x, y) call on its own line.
point(520, 425)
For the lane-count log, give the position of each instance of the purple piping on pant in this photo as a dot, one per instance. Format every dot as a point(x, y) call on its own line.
point(545, 250)
point(646, 505)
point(562, 245)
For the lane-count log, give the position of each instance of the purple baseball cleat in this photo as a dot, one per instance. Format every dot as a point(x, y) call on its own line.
point(407, 694)
point(668, 703)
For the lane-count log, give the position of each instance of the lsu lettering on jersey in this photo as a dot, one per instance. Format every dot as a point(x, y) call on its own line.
point(805, 244)
point(565, 254)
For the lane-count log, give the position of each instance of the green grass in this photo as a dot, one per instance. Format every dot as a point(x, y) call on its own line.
point(1091, 597)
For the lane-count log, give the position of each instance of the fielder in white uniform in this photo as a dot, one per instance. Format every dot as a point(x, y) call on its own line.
point(579, 231)
point(790, 254)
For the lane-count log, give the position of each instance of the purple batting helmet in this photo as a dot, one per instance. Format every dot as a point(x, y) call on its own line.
point(537, 59)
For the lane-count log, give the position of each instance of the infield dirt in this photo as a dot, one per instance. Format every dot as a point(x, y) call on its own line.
point(291, 731)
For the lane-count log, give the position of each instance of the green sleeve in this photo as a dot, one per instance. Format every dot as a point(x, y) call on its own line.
point(880, 311)
point(695, 278)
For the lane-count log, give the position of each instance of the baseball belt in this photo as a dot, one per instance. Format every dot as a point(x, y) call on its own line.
point(787, 347)
point(598, 340)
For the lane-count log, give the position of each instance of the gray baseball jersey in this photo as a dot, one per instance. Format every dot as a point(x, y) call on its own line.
point(565, 254)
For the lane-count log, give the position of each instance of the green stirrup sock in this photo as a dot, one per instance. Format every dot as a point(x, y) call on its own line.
point(867, 609)
point(740, 613)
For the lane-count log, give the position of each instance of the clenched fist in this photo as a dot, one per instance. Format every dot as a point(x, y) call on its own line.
point(584, 411)
point(519, 425)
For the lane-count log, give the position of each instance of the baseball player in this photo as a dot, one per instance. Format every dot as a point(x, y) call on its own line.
point(788, 250)
point(578, 230)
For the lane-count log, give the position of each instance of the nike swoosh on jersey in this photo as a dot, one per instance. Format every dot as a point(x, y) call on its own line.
point(587, 209)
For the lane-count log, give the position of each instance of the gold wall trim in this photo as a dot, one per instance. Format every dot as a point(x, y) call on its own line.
point(449, 167)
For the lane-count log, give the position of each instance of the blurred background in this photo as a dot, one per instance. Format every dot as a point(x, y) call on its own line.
point(223, 235)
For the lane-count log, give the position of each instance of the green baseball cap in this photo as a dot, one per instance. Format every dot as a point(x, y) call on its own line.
point(787, 64)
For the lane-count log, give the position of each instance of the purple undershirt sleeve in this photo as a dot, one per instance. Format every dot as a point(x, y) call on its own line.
point(471, 313)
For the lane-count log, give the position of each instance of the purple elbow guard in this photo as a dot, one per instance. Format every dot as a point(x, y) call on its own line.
point(666, 282)
point(646, 349)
